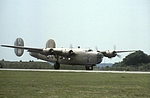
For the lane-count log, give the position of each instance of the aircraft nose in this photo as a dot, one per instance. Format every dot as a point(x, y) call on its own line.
point(99, 57)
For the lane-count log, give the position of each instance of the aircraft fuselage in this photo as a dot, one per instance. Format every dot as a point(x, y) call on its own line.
point(81, 57)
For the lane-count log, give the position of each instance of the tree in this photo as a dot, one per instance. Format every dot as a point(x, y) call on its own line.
point(149, 58)
point(136, 58)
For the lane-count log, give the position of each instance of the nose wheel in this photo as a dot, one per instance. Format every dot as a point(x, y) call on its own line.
point(56, 65)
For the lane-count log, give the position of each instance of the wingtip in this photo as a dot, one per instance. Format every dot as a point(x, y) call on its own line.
point(2, 45)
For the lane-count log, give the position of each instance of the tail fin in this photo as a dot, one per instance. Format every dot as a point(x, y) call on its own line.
point(19, 42)
point(50, 44)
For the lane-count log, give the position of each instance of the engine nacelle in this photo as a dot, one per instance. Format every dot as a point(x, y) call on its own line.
point(67, 52)
point(57, 51)
point(71, 52)
point(19, 42)
point(48, 51)
point(110, 54)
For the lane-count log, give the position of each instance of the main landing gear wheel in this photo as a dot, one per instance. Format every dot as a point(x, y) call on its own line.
point(56, 65)
point(89, 67)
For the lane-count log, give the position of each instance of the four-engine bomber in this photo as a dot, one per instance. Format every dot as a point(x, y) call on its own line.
point(58, 56)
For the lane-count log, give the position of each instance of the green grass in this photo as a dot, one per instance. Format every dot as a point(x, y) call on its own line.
point(17, 84)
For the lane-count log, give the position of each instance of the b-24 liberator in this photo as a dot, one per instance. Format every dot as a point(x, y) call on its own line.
point(71, 56)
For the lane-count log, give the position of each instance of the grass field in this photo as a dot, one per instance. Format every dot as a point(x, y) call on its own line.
point(17, 84)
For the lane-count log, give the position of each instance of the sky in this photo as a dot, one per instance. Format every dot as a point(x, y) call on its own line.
point(85, 23)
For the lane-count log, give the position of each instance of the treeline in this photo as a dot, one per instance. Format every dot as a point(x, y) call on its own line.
point(25, 65)
point(137, 61)
point(35, 65)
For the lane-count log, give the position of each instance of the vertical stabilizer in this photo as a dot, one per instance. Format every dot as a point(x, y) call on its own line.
point(19, 42)
point(50, 44)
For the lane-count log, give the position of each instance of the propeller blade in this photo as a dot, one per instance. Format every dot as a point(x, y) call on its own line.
point(119, 56)
point(71, 46)
point(97, 49)
point(114, 47)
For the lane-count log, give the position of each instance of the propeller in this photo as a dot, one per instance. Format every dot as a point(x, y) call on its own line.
point(71, 46)
point(119, 56)
point(96, 48)
point(113, 53)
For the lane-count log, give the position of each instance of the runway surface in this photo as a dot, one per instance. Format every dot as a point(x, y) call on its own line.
point(93, 71)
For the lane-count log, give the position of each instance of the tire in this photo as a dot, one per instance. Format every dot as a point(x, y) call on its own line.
point(89, 67)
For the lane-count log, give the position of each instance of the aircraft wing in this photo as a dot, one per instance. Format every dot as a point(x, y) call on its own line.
point(125, 51)
point(44, 51)
point(118, 51)
point(26, 48)
point(111, 54)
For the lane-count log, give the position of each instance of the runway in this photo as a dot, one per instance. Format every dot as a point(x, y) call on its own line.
point(81, 71)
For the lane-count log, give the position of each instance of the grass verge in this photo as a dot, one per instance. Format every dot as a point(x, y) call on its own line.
point(17, 84)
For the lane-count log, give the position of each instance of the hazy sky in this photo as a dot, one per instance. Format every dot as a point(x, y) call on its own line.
point(88, 23)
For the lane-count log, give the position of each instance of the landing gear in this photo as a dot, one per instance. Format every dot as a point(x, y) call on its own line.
point(56, 65)
point(88, 67)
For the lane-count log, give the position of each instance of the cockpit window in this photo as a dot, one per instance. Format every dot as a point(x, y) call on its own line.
point(84, 50)
point(88, 50)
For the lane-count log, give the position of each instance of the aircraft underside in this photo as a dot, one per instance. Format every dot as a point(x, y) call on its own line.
point(66, 60)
